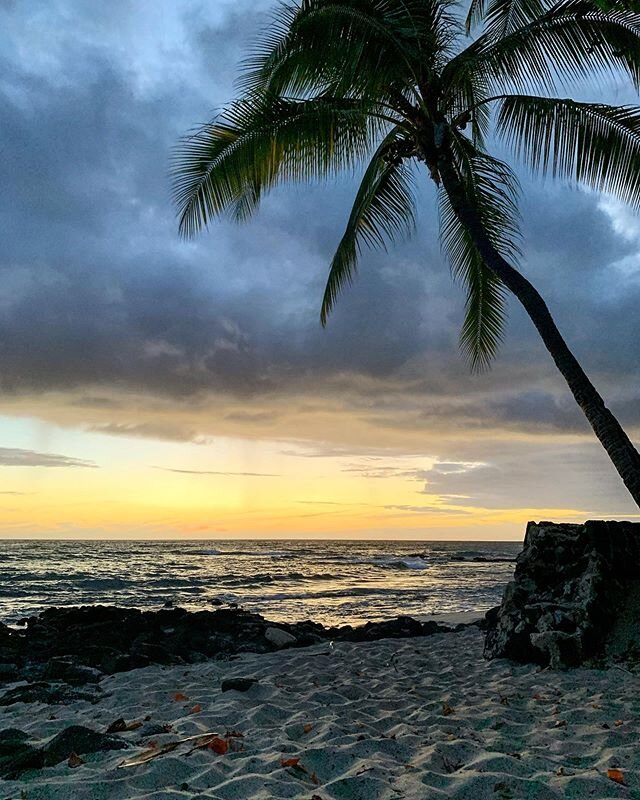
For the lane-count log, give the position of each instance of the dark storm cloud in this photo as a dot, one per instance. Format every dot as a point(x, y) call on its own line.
point(553, 474)
point(98, 295)
point(17, 457)
point(148, 430)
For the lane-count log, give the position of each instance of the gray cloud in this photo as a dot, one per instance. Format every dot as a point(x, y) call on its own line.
point(17, 457)
point(101, 302)
point(148, 430)
point(428, 510)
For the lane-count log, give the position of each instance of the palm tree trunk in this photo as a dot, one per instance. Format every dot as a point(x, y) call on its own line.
point(615, 441)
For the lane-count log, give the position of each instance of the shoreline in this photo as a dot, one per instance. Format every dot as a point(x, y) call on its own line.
point(413, 718)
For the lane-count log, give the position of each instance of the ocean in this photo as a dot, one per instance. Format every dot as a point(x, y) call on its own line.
point(333, 582)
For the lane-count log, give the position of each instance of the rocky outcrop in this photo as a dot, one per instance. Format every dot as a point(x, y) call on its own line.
point(575, 596)
point(64, 652)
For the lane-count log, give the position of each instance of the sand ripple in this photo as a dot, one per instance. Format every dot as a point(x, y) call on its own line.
point(378, 731)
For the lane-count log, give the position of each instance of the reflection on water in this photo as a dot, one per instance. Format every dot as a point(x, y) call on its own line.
point(328, 581)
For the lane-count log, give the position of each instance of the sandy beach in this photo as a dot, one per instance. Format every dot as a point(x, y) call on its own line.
point(416, 718)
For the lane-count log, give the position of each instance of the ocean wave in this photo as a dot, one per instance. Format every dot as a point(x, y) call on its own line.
point(482, 559)
point(409, 563)
point(266, 578)
point(253, 553)
point(326, 594)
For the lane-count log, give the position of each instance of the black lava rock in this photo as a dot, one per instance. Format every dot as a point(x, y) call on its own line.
point(76, 645)
point(47, 693)
point(575, 596)
point(16, 755)
point(237, 684)
point(80, 740)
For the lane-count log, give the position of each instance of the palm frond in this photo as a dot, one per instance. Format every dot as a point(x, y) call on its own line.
point(491, 187)
point(475, 15)
point(570, 44)
point(257, 143)
point(351, 47)
point(501, 17)
point(383, 210)
point(336, 45)
point(593, 144)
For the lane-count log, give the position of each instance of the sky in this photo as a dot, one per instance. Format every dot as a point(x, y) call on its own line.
point(153, 387)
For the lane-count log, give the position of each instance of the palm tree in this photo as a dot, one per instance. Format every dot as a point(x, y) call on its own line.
point(334, 82)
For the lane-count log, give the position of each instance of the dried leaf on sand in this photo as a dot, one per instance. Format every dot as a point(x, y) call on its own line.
point(198, 741)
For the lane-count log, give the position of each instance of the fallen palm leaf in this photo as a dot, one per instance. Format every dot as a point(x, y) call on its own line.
point(149, 755)
point(74, 760)
point(218, 745)
point(447, 710)
point(153, 751)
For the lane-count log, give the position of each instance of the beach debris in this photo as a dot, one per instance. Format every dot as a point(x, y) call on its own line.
point(74, 761)
point(121, 726)
point(149, 755)
point(180, 697)
point(307, 727)
point(237, 684)
point(447, 710)
point(196, 709)
point(294, 763)
point(615, 775)
point(218, 745)
point(618, 723)
point(210, 740)
point(233, 735)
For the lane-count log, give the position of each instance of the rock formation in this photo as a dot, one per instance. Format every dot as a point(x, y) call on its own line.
point(575, 596)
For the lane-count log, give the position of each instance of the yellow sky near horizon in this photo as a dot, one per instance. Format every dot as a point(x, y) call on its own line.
point(226, 487)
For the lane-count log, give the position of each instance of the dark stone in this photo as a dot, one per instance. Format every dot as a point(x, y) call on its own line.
point(16, 755)
point(117, 726)
point(77, 644)
point(80, 740)
point(50, 694)
point(575, 597)
point(64, 669)
point(237, 684)
point(152, 729)
point(8, 673)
